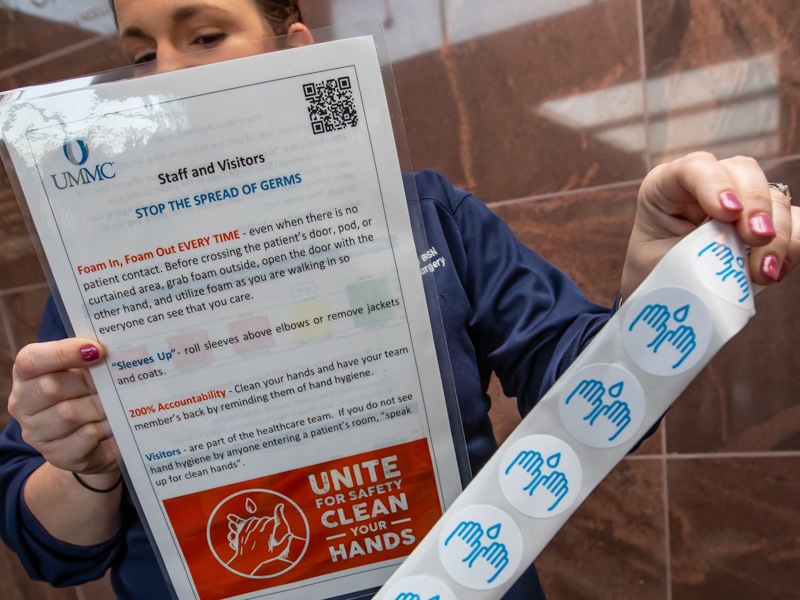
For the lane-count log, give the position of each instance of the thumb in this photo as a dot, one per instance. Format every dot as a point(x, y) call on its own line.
point(51, 357)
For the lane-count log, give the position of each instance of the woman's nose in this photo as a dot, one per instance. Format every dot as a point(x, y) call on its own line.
point(170, 58)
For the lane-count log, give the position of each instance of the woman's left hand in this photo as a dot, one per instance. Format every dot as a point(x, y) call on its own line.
point(676, 197)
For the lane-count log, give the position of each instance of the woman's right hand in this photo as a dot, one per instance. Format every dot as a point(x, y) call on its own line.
point(55, 402)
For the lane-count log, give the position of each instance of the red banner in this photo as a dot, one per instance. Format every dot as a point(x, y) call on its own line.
point(293, 526)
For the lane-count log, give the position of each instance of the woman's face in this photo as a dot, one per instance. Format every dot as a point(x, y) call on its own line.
point(167, 29)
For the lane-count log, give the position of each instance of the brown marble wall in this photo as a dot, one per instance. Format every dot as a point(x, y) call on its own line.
point(552, 112)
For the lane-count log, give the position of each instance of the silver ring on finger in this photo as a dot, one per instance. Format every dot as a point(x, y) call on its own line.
point(782, 188)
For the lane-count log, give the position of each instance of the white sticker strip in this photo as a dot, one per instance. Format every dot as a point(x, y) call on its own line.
point(420, 588)
point(696, 299)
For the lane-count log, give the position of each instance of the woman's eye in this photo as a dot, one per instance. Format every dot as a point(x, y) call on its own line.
point(145, 58)
point(209, 39)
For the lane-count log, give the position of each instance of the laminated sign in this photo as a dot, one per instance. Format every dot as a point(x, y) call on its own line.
point(238, 237)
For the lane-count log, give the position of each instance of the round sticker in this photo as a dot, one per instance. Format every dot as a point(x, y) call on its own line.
point(419, 588)
point(667, 331)
point(720, 263)
point(258, 533)
point(540, 476)
point(602, 406)
point(480, 547)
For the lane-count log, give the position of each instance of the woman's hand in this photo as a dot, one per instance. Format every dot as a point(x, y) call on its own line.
point(677, 197)
point(55, 402)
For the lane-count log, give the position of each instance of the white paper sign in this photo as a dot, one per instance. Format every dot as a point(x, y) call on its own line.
point(237, 237)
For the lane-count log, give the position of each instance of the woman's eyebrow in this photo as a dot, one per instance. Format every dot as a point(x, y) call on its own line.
point(184, 13)
point(133, 32)
point(180, 14)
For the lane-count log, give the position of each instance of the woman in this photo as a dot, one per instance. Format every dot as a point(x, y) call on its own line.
point(66, 532)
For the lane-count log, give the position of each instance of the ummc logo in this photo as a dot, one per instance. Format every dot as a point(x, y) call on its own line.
point(69, 152)
point(77, 152)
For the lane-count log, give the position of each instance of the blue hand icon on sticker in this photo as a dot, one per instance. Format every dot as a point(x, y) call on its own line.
point(667, 331)
point(420, 587)
point(720, 263)
point(480, 547)
point(680, 340)
point(602, 406)
point(491, 558)
point(540, 476)
point(553, 483)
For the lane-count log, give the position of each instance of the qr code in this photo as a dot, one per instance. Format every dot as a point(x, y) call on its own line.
point(331, 105)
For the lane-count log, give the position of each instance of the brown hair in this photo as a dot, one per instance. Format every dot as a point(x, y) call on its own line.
point(280, 14)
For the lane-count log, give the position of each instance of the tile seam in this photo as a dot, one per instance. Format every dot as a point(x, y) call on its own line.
point(10, 340)
point(464, 123)
point(665, 485)
point(719, 455)
point(735, 455)
point(560, 194)
point(779, 160)
point(40, 60)
point(24, 288)
point(648, 153)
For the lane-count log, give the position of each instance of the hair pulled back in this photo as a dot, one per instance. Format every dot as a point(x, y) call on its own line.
point(280, 14)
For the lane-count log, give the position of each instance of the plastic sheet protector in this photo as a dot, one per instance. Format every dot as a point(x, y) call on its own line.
point(237, 236)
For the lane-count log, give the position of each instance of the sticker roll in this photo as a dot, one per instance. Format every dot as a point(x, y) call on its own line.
point(697, 298)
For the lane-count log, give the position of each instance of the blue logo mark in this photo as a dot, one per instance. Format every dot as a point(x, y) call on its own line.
point(413, 596)
point(617, 412)
point(467, 538)
point(553, 485)
point(69, 151)
point(680, 342)
point(728, 270)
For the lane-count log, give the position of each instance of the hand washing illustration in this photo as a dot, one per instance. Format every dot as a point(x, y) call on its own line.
point(616, 413)
point(267, 534)
point(489, 560)
point(480, 547)
point(602, 405)
point(719, 261)
point(553, 485)
point(731, 267)
point(541, 475)
point(257, 541)
point(680, 341)
point(413, 596)
point(667, 331)
point(419, 587)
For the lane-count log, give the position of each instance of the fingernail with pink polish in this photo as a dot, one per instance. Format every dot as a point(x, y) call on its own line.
point(784, 270)
point(729, 201)
point(769, 267)
point(90, 353)
point(761, 224)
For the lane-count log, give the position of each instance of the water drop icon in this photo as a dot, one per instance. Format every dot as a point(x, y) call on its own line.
point(616, 390)
point(681, 314)
point(493, 532)
point(553, 461)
